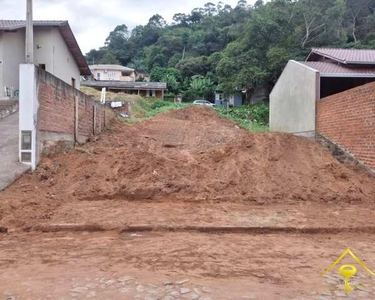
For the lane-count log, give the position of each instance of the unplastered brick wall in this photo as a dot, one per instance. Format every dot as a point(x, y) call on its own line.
point(66, 114)
point(348, 120)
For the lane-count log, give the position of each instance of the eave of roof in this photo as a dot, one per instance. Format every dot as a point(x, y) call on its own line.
point(111, 67)
point(327, 69)
point(65, 31)
point(125, 85)
point(358, 53)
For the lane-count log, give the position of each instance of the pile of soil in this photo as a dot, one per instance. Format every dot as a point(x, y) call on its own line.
point(192, 155)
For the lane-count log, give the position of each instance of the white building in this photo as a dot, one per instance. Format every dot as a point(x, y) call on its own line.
point(55, 50)
point(113, 73)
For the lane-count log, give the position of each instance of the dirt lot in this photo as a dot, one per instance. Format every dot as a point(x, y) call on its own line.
point(186, 196)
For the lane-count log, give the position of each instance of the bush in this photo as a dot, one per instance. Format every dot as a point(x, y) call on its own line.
point(252, 117)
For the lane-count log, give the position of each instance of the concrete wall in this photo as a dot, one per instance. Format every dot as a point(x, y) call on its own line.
point(55, 112)
point(1, 65)
point(50, 49)
point(348, 120)
point(293, 100)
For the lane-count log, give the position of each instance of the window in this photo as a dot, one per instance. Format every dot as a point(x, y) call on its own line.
point(42, 66)
point(26, 157)
point(98, 76)
point(26, 140)
point(73, 83)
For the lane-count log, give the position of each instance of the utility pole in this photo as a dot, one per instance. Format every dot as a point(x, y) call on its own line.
point(29, 33)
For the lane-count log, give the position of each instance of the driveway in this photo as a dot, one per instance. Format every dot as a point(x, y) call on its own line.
point(10, 167)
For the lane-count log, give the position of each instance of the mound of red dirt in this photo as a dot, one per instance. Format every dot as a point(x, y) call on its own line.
point(190, 154)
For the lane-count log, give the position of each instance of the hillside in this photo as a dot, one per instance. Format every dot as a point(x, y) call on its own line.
point(245, 47)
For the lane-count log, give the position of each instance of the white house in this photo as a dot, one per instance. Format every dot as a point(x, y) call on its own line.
point(55, 49)
point(113, 73)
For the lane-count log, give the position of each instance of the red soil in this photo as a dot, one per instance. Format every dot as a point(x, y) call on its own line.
point(189, 155)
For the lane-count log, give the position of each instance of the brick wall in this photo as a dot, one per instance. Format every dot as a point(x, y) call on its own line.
point(58, 107)
point(348, 120)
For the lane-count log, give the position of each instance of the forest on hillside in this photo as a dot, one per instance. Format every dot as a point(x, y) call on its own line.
point(236, 48)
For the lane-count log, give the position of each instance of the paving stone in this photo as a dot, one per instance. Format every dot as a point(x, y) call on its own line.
point(180, 282)
point(110, 282)
point(365, 295)
point(74, 295)
point(185, 291)
point(332, 281)
point(140, 288)
point(91, 294)
point(124, 290)
point(79, 289)
point(196, 290)
point(206, 289)
point(364, 289)
point(204, 298)
point(194, 296)
point(125, 279)
point(341, 294)
point(151, 297)
point(175, 294)
point(168, 298)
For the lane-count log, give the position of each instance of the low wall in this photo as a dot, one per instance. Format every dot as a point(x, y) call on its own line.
point(293, 100)
point(66, 114)
point(348, 120)
point(56, 112)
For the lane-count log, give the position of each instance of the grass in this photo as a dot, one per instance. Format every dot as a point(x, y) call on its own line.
point(146, 108)
point(141, 108)
point(251, 117)
point(109, 95)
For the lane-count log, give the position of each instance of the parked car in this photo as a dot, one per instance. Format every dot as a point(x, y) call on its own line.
point(203, 102)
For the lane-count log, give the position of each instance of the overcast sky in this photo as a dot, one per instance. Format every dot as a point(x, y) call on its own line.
point(92, 20)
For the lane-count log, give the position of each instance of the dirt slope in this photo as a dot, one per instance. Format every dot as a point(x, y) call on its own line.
point(190, 155)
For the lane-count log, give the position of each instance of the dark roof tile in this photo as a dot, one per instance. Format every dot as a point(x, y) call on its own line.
point(328, 69)
point(347, 56)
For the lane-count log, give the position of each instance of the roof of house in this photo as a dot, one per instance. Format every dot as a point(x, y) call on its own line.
point(126, 85)
point(329, 69)
point(111, 67)
point(66, 33)
point(346, 56)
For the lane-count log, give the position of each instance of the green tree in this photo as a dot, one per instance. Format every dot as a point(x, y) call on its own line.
point(109, 59)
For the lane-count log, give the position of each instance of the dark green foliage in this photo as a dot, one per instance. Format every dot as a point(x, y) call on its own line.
point(252, 117)
point(240, 47)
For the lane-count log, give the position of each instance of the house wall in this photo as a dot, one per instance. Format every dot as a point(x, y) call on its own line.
point(12, 54)
point(52, 52)
point(1, 65)
point(56, 112)
point(114, 75)
point(55, 54)
point(348, 120)
point(293, 100)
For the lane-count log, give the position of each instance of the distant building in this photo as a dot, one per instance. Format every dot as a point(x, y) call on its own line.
point(121, 79)
point(56, 51)
point(144, 89)
point(235, 99)
point(113, 73)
